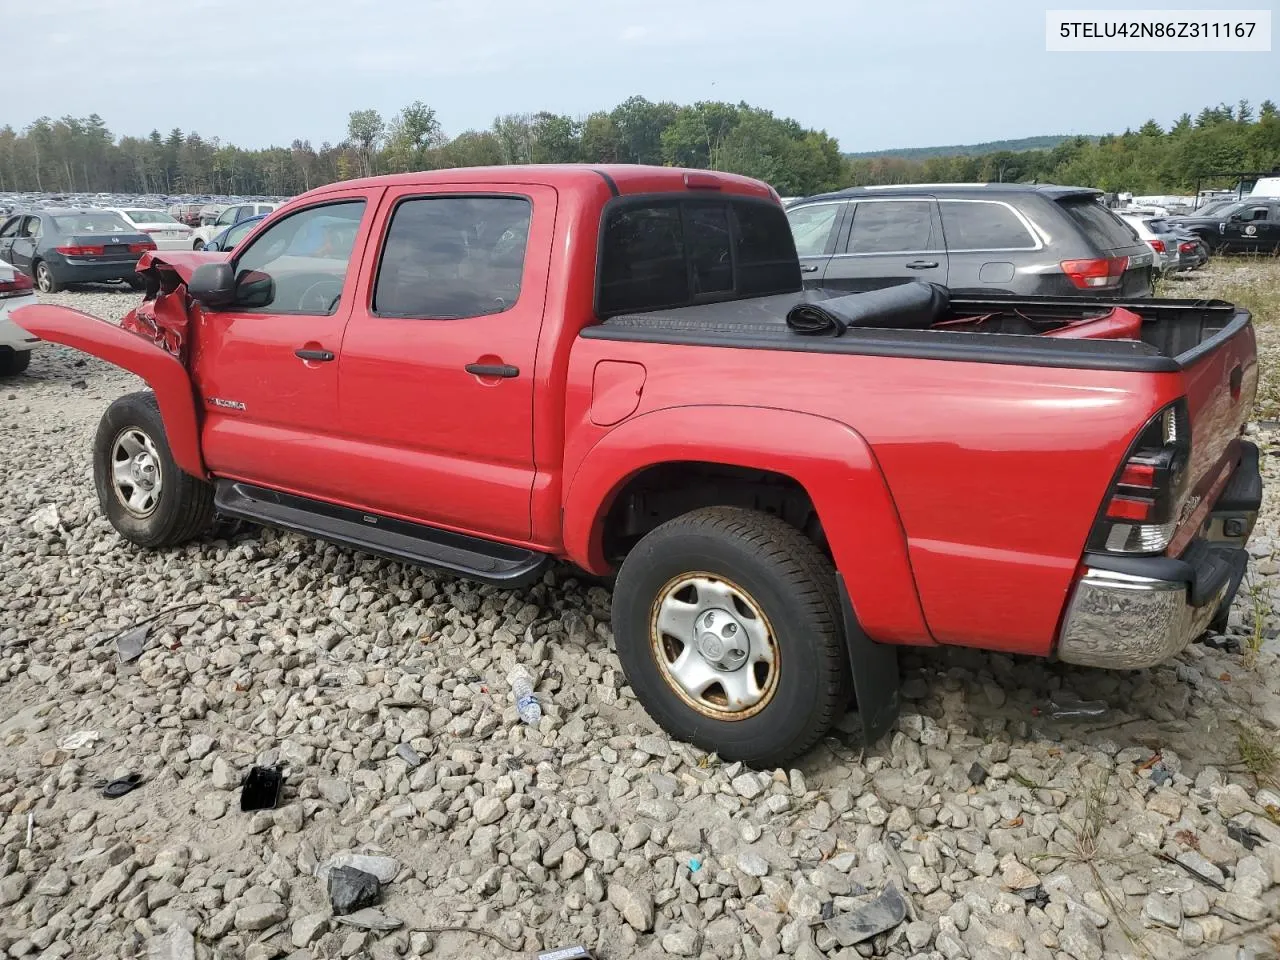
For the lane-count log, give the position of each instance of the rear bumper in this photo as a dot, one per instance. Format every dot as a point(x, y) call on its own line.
point(68, 271)
point(1126, 613)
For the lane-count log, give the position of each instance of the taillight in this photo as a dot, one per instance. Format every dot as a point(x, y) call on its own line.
point(19, 286)
point(1100, 272)
point(1157, 245)
point(1187, 247)
point(142, 247)
point(79, 251)
point(1140, 513)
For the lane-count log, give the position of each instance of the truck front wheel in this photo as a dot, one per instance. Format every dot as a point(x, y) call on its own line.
point(144, 494)
point(727, 624)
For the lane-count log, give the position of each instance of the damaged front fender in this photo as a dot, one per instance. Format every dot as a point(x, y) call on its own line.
point(134, 350)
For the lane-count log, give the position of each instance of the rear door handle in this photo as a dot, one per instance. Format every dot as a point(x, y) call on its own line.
point(503, 370)
point(809, 268)
point(324, 356)
point(922, 264)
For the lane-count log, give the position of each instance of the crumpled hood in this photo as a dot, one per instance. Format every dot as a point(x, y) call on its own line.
point(165, 312)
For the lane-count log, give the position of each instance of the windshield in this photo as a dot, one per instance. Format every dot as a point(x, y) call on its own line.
point(149, 216)
point(101, 222)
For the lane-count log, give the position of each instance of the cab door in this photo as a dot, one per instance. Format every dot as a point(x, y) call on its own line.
point(8, 233)
point(437, 375)
point(267, 374)
point(23, 250)
point(1248, 229)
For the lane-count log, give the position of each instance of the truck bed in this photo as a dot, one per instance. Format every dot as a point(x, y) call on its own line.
point(1175, 333)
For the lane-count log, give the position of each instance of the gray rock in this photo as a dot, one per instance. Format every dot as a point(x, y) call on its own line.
point(201, 746)
point(635, 905)
point(1246, 908)
point(384, 868)
point(747, 786)
point(259, 916)
point(1163, 909)
point(351, 890)
point(12, 888)
point(489, 810)
point(309, 928)
point(1081, 939)
point(682, 941)
point(752, 864)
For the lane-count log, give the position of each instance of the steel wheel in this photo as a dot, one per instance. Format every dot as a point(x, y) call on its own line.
point(714, 646)
point(44, 278)
point(136, 476)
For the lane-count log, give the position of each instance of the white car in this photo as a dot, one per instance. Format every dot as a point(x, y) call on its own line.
point(16, 290)
point(167, 232)
point(229, 218)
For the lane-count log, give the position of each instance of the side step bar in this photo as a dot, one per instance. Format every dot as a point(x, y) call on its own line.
point(471, 557)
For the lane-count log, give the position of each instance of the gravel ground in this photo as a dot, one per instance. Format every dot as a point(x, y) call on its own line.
point(1148, 831)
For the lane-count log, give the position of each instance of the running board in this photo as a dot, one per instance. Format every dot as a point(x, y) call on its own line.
point(471, 557)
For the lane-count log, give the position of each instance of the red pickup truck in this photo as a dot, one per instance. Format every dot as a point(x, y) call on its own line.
point(485, 369)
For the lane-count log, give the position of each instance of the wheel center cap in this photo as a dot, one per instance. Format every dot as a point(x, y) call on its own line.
point(721, 640)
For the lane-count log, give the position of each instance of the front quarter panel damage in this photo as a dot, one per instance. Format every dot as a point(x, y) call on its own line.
point(150, 343)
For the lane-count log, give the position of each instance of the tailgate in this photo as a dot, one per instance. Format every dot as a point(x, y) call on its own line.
point(1220, 378)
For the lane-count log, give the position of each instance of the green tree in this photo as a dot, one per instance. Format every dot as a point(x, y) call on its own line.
point(366, 129)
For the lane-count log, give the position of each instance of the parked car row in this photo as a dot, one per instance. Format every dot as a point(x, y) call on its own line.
point(1177, 249)
point(57, 247)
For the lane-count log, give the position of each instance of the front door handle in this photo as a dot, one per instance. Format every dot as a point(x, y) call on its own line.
point(922, 264)
point(503, 370)
point(324, 356)
point(809, 268)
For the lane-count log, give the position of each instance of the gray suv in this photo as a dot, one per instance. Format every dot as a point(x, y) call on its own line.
point(977, 239)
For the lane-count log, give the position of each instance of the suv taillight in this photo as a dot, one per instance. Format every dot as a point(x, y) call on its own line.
point(1140, 513)
point(19, 286)
point(1156, 245)
point(1092, 274)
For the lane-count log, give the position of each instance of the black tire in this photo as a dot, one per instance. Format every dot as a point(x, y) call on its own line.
point(183, 508)
point(136, 282)
point(46, 282)
point(794, 586)
point(198, 245)
point(13, 362)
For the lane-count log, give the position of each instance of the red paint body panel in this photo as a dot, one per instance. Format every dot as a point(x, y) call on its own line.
point(161, 370)
point(956, 497)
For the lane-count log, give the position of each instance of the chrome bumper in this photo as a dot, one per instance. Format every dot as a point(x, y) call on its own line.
point(1127, 622)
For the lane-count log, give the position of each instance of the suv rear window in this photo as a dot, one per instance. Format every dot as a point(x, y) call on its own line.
point(662, 252)
point(1099, 224)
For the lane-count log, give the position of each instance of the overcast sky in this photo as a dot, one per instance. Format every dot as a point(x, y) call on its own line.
point(873, 74)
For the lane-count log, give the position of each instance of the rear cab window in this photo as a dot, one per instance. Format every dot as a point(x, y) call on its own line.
point(664, 251)
point(1103, 228)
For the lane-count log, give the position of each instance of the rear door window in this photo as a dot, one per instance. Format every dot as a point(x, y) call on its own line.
point(447, 258)
point(893, 226)
point(983, 225)
point(1099, 224)
point(661, 252)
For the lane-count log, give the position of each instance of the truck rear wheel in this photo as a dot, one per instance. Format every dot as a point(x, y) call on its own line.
point(727, 625)
point(144, 494)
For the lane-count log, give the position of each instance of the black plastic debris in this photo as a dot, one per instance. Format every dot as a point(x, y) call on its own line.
point(875, 916)
point(409, 755)
point(1247, 837)
point(1035, 896)
point(1160, 774)
point(119, 787)
point(977, 774)
point(261, 790)
point(351, 890)
point(828, 910)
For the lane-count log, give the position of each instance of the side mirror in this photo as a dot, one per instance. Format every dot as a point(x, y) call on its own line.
point(212, 246)
point(254, 288)
point(213, 285)
point(1235, 218)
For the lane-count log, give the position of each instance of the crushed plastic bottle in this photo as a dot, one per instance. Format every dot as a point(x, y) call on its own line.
point(1066, 709)
point(522, 690)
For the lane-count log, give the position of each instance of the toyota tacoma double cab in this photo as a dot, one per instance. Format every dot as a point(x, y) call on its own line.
point(484, 370)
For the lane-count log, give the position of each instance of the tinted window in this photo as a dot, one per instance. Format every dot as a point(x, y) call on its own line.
point(1256, 213)
point(670, 252)
point(892, 226)
point(1100, 225)
point(974, 225)
point(446, 258)
point(238, 232)
point(811, 227)
point(228, 216)
point(306, 256)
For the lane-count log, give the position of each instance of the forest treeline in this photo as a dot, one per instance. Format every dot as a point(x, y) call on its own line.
point(73, 154)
